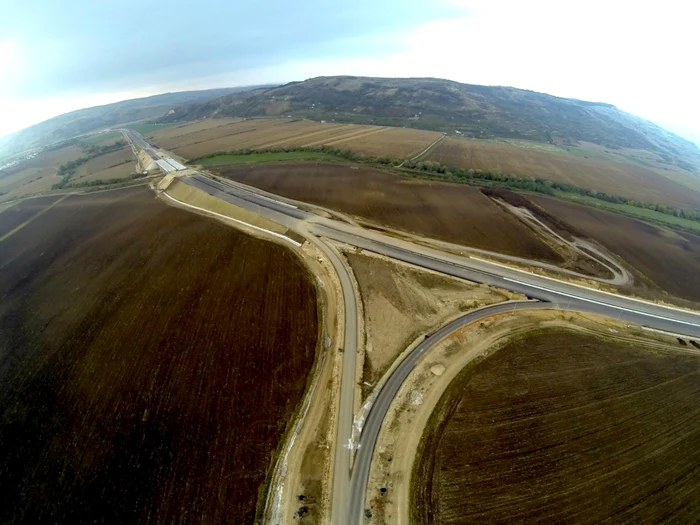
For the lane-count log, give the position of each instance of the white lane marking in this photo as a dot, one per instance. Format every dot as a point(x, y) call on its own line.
point(579, 298)
point(167, 168)
point(664, 332)
point(258, 228)
point(596, 290)
point(235, 186)
point(175, 164)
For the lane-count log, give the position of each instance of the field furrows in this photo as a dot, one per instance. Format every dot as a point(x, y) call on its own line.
point(349, 136)
point(670, 259)
point(563, 427)
point(454, 213)
point(150, 360)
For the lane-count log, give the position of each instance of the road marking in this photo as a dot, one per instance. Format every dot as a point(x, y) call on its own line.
point(595, 290)
point(258, 228)
point(234, 186)
point(608, 305)
point(664, 332)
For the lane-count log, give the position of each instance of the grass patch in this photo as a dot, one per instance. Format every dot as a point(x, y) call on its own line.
point(222, 160)
point(148, 127)
point(632, 211)
point(101, 137)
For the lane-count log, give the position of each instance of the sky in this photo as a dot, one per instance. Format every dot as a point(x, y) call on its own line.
point(59, 56)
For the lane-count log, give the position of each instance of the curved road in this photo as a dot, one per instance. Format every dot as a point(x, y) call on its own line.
point(341, 462)
point(373, 423)
point(566, 295)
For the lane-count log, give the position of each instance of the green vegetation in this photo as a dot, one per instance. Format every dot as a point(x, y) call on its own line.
point(483, 112)
point(150, 127)
point(100, 137)
point(688, 219)
point(88, 120)
point(67, 170)
point(633, 211)
point(225, 159)
point(676, 217)
point(107, 182)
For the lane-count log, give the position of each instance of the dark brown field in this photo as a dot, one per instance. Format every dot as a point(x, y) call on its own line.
point(22, 212)
point(564, 428)
point(454, 213)
point(150, 360)
point(668, 258)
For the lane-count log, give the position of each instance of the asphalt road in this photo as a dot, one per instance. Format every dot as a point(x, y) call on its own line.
point(348, 505)
point(141, 143)
point(341, 462)
point(373, 423)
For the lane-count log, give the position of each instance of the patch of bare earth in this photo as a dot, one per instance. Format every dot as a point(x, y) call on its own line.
point(401, 301)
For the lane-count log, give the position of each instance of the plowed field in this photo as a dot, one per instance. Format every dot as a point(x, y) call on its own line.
point(21, 212)
point(619, 178)
point(670, 259)
point(561, 427)
point(150, 360)
point(454, 213)
point(211, 136)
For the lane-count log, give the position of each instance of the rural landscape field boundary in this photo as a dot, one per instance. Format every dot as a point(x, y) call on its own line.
point(30, 219)
point(684, 219)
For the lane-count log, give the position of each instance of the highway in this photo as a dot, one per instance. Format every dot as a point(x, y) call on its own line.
point(166, 163)
point(349, 494)
point(140, 142)
point(373, 423)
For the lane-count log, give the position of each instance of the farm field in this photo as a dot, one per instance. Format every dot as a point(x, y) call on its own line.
point(35, 175)
point(227, 160)
point(670, 259)
point(401, 143)
point(114, 165)
point(103, 139)
point(21, 212)
point(211, 136)
point(562, 427)
point(454, 213)
point(619, 178)
point(150, 360)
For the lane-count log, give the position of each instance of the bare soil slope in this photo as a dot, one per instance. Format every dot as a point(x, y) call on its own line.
point(150, 360)
point(401, 301)
point(561, 427)
point(453, 213)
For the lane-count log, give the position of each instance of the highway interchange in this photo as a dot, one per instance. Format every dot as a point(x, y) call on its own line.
point(349, 484)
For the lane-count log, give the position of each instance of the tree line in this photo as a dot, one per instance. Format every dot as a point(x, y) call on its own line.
point(490, 177)
point(67, 169)
point(546, 186)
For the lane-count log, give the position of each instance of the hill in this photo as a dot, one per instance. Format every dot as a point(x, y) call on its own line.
point(92, 119)
point(443, 105)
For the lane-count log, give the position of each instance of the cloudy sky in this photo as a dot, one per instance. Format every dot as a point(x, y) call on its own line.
point(59, 56)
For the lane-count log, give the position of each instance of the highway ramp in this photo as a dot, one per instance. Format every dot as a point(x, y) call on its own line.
point(559, 294)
